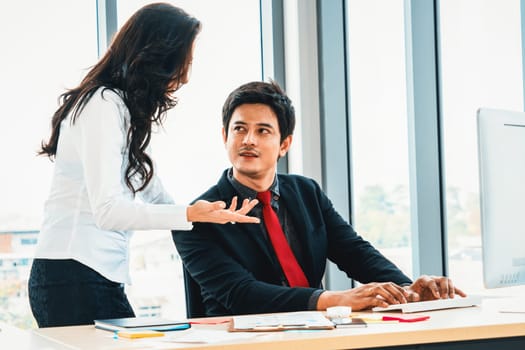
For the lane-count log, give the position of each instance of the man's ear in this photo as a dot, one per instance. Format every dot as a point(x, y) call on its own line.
point(285, 146)
point(224, 136)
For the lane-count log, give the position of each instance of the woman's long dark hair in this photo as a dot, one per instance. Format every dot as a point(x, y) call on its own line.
point(148, 60)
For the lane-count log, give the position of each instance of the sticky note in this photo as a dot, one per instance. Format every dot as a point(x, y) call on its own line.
point(139, 334)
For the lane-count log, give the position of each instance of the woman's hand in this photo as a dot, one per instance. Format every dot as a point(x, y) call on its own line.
point(216, 212)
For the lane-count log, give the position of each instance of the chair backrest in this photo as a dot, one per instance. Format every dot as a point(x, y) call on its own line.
point(194, 304)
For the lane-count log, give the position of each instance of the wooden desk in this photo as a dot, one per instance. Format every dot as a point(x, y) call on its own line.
point(15, 338)
point(481, 327)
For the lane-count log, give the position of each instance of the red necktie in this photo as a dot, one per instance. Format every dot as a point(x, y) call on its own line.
point(293, 272)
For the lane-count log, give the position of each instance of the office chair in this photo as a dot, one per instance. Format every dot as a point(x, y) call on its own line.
point(194, 303)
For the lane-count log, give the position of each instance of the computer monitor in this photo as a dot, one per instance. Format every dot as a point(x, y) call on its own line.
point(501, 149)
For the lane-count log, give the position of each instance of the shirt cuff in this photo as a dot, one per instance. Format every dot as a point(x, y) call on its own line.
point(180, 221)
point(312, 302)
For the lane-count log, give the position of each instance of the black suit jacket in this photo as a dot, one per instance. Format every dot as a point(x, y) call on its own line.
point(238, 272)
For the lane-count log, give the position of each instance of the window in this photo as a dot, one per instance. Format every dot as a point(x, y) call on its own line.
point(44, 52)
point(481, 63)
point(378, 119)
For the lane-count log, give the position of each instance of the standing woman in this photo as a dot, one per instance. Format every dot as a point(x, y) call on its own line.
point(99, 141)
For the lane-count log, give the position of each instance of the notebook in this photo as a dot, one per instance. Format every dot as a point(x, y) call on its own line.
point(430, 305)
point(141, 323)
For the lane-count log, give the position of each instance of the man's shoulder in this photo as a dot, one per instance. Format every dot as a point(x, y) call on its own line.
point(299, 182)
point(294, 177)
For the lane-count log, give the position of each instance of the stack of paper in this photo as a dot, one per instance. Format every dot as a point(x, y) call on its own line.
point(280, 321)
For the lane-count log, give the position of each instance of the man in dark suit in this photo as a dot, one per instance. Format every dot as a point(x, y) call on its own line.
point(278, 265)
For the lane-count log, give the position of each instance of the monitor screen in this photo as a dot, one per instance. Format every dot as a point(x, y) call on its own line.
point(501, 149)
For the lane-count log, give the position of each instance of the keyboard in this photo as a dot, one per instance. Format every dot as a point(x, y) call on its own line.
point(438, 304)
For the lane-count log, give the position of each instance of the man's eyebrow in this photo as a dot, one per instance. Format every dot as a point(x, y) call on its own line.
point(270, 126)
point(267, 125)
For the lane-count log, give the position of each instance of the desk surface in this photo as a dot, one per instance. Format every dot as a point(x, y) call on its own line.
point(466, 324)
point(15, 338)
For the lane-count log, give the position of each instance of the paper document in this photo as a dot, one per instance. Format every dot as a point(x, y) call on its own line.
point(203, 336)
point(280, 321)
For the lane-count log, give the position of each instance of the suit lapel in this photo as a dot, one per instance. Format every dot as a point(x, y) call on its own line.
point(227, 192)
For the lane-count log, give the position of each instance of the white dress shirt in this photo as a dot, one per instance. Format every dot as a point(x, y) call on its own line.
point(90, 212)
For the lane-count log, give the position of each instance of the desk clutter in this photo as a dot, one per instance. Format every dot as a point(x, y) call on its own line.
point(336, 317)
point(483, 326)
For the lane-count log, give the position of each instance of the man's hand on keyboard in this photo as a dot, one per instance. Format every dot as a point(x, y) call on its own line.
point(387, 293)
point(363, 297)
point(432, 287)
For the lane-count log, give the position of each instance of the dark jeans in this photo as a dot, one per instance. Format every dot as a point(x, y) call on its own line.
point(67, 293)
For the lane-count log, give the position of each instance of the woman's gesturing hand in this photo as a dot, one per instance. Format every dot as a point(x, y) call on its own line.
point(216, 212)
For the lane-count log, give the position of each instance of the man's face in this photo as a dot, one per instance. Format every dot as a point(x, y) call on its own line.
point(254, 143)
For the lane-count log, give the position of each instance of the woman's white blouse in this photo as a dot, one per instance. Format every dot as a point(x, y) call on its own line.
point(90, 212)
